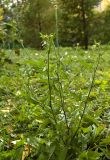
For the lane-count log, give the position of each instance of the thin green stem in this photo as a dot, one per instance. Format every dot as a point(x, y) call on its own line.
point(49, 84)
point(86, 101)
point(58, 69)
point(62, 101)
point(56, 20)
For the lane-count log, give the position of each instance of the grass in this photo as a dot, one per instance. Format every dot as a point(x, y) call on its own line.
point(26, 118)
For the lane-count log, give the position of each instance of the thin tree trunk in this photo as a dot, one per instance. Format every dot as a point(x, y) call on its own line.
point(39, 23)
point(84, 25)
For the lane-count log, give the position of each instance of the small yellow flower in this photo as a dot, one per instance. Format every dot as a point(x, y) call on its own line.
point(1, 18)
point(1, 13)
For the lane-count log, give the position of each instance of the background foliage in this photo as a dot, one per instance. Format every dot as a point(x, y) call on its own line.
point(82, 21)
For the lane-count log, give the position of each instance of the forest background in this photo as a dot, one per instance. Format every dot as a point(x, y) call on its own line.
point(79, 22)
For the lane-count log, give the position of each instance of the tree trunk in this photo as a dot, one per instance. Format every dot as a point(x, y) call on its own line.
point(39, 23)
point(84, 25)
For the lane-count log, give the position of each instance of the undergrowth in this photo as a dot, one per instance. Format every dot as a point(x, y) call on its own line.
point(54, 104)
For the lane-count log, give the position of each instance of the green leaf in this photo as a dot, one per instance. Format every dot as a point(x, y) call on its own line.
point(90, 155)
point(93, 155)
point(89, 120)
point(83, 156)
point(62, 154)
point(52, 149)
point(105, 141)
